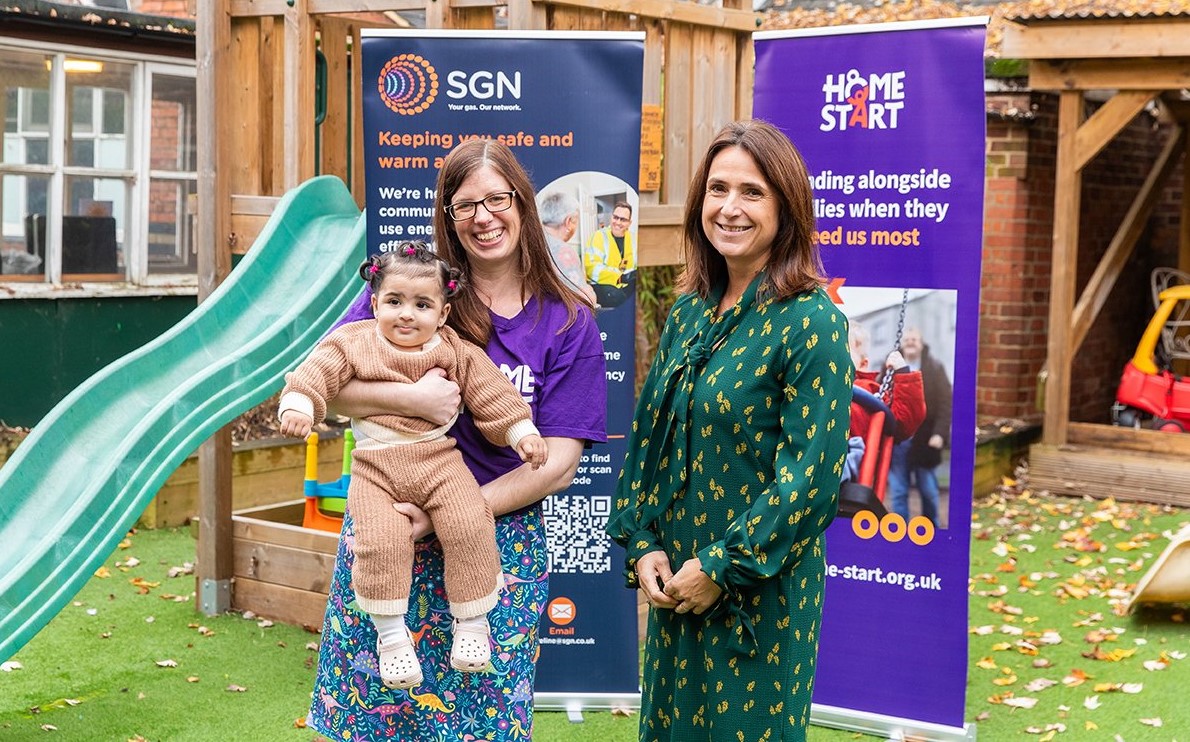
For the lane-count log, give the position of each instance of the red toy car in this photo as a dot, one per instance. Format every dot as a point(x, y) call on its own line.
point(1150, 393)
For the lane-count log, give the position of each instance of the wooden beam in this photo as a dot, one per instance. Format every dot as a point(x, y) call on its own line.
point(256, 8)
point(1116, 74)
point(526, 15)
point(1107, 122)
point(1121, 38)
point(1099, 287)
point(1067, 200)
point(298, 89)
point(683, 12)
point(660, 234)
point(213, 56)
point(1130, 439)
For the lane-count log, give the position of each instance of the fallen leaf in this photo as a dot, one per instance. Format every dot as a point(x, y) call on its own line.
point(167, 663)
point(49, 728)
point(192, 679)
point(987, 663)
point(264, 623)
point(299, 723)
point(1021, 703)
point(1154, 722)
point(236, 688)
point(1091, 702)
point(10, 666)
point(103, 573)
point(1039, 684)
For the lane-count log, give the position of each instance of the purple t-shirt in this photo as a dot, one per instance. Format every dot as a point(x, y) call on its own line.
point(560, 375)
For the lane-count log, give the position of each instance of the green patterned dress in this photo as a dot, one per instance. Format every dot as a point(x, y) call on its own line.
point(738, 444)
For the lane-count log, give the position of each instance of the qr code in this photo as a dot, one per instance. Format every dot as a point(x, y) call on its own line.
point(574, 533)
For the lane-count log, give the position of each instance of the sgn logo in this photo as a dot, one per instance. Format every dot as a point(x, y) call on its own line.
point(483, 85)
point(856, 101)
point(408, 84)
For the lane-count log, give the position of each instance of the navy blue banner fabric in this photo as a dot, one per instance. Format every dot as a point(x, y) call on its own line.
point(569, 106)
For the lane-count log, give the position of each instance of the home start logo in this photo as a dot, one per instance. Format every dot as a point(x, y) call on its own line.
point(857, 101)
point(408, 84)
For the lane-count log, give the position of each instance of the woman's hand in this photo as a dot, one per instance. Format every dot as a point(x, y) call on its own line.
point(652, 572)
point(433, 397)
point(422, 526)
point(437, 396)
point(691, 589)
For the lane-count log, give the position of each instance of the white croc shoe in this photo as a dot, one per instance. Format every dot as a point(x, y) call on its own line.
point(472, 650)
point(399, 666)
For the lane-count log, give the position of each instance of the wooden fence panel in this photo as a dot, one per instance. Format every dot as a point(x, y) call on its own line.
point(679, 82)
point(336, 127)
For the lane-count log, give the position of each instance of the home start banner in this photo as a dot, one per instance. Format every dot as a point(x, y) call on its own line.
point(890, 119)
point(569, 106)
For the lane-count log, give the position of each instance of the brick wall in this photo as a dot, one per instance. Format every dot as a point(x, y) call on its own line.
point(1018, 233)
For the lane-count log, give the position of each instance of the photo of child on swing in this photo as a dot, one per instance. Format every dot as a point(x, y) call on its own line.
point(902, 344)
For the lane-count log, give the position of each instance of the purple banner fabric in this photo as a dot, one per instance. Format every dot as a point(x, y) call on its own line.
point(890, 120)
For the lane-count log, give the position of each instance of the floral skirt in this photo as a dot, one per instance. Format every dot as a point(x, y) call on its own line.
point(350, 702)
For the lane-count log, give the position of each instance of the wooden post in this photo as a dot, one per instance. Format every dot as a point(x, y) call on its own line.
point(214, 570)
point(1067, 200)
point(299, 95)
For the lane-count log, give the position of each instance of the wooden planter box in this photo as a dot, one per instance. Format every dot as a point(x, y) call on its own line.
point(263, 472)
point(281, 570)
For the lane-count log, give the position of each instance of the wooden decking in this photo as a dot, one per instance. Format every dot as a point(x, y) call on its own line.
point(1103, 461)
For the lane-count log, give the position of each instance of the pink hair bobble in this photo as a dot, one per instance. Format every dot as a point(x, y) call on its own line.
point(372, 269)
point(451, 285)
point(409, 249)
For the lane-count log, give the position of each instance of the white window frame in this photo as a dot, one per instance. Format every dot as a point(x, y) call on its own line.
point(137, 279)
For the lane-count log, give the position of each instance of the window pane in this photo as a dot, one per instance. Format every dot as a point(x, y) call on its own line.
point(22, 249)
point(37, 151)
point(108, 85)
point(26, 85)
point(113, 111)
point(174, 141)
point(171, 235)
point(95, 226)
point(82, 110)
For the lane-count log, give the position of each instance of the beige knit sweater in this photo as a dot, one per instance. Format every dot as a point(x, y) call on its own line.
point(358, 351)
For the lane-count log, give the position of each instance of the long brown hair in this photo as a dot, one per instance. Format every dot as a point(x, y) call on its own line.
point(794, 264)
point(470, 317)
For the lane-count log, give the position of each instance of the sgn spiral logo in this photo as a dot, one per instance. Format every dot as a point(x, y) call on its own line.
point(408, 84)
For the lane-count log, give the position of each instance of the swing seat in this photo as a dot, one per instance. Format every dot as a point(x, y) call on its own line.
point(867, 492)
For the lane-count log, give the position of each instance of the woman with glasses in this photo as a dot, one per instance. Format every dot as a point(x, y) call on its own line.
point(544, 337)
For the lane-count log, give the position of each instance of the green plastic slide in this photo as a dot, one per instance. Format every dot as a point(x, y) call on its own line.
point(74, 487)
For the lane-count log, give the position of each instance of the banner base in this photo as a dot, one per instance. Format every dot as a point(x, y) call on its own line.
point(575, 703)
point(888, 727)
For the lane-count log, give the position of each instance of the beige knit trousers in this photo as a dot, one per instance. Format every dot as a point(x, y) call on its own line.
point(431, 475)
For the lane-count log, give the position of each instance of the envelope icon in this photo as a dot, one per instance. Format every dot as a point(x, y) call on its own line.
point(562, 610)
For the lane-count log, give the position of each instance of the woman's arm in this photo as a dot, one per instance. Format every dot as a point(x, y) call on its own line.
point(433, 397)
point(525, 485)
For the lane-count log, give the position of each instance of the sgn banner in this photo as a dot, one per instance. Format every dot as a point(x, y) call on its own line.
point(569, 106)
point(890, 119)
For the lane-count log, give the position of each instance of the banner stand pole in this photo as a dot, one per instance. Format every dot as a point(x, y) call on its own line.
point(888, 727)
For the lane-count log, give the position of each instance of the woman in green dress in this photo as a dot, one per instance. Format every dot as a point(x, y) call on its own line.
point(738, 443)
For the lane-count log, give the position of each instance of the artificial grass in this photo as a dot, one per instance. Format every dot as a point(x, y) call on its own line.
point(1039, 564)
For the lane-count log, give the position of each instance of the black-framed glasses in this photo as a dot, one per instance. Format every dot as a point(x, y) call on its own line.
point(494, 203)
